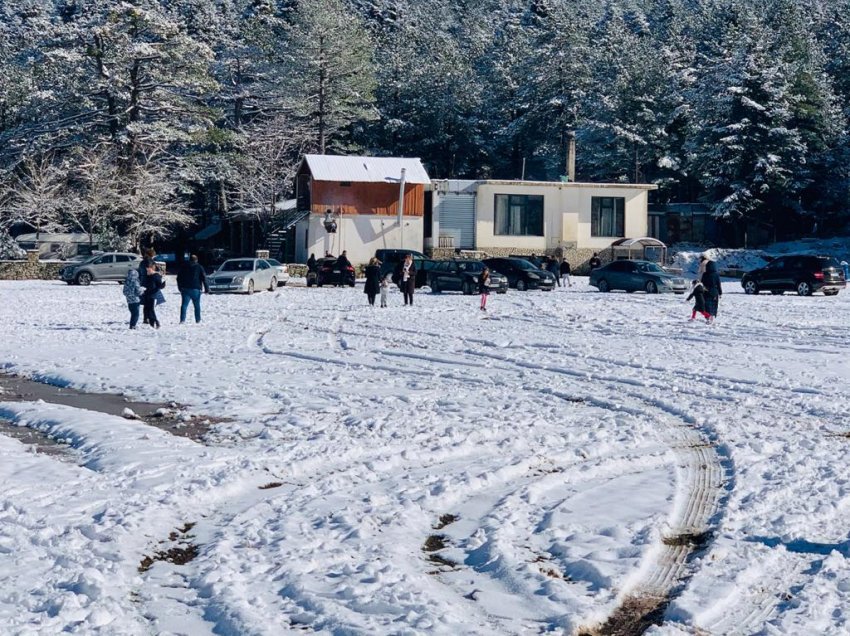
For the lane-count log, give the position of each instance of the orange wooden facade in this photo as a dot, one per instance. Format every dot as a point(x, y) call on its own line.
point(366, 198)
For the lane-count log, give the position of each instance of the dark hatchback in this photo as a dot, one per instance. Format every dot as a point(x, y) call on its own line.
point(462, 275)
point(521, 274)
point(801, 273)
point(329, 273)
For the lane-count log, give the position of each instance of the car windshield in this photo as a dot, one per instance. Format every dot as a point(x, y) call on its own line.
point(828, 261)
point(471, 266)
point(650, 267)
point(521, 263)
point(273, 262)
point(237, 266)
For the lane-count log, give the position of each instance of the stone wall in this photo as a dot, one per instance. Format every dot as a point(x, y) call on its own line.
point(30, 269)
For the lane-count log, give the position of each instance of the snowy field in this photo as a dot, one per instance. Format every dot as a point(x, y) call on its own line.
point(429, 471)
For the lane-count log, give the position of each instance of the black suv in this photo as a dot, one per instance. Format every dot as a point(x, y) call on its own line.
point(329, 273)
point(801, 273)
point(521, 274)
point(392, 259)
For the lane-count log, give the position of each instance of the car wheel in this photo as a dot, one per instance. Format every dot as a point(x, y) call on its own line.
point(351, 284)
point(250, 287)
point(84, 278)
point(435, 287)
point(777, 292)
point(751, 287)
point(520, 285)
point(467, 289)
point(602, 285)
point(804, 288)
point(651, 287)
point(273, 284)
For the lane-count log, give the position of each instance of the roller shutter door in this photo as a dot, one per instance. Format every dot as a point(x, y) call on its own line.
point(457, 219)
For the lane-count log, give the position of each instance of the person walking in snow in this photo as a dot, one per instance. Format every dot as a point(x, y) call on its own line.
point(133, 294)
point(565, 273)
point(373, 280)
point(153, 288)
point(698, 294)
point(484, 287)
point(711, 281)
point(191, 281)
point(385, 288)
point(555, 269)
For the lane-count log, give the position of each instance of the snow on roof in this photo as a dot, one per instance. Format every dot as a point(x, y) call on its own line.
point(366, 169)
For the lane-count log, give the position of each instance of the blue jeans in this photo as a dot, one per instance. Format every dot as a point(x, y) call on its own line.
point(193, 295)
point(134, 314)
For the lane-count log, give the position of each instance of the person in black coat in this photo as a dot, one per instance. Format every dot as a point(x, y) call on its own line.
point(713, 291)
point(553, 268)
point(147, 261)
point(153, 283)
point(311, 263)
point(191, 280)
point(698, 294)
point(484, 287)
point(565, 273)
point(594, 261)
point(343, 264)
point(407, 279)
point(373, 280)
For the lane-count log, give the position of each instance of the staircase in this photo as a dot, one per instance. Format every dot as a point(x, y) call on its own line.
point(281, 232)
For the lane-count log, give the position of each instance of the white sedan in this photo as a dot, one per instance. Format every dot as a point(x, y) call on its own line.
point(282, 271)
point(244, 275)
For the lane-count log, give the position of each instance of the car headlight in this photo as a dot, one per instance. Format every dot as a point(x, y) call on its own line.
point(533, 276)
point(238, 279)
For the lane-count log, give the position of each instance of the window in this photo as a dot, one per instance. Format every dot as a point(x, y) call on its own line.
point(519, 215)
point(345, 184)
point(123, 258)
point(608, 216)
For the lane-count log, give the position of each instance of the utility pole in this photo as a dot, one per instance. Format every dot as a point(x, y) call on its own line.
point(571, 156)
point(401, 208)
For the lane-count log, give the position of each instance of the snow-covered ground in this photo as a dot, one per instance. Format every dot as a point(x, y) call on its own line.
point(430, 471)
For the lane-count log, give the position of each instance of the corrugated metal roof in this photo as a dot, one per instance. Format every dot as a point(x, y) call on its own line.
point(366, 169)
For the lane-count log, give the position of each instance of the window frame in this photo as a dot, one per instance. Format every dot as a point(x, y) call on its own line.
point(503, 226)
point(615, 226)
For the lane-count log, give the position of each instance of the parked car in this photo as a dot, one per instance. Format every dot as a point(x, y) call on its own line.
point(462, 275)
point(329, 273)
point(392, 259)
point(244, 275)
point(801, 273)
point(282, 271)
point(108, 266)
point(521, 274)
point(632, 275)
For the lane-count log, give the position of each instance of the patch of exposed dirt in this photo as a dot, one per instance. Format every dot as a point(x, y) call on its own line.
point(171, 418)
point(635, 615)
point(42, 443)
point(433, 544)
point(694, 540)
point(271, 484)
point(179, 554)
point(445, 520)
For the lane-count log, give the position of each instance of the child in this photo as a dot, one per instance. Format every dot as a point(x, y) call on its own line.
point(154, 285)
point(133, 294)
point(698, 294)
point(484, 287)
point(385, 288)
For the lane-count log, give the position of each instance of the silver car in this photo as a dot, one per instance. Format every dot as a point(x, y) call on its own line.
point(282, 271)
point(245, 275)
point(109, 266)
